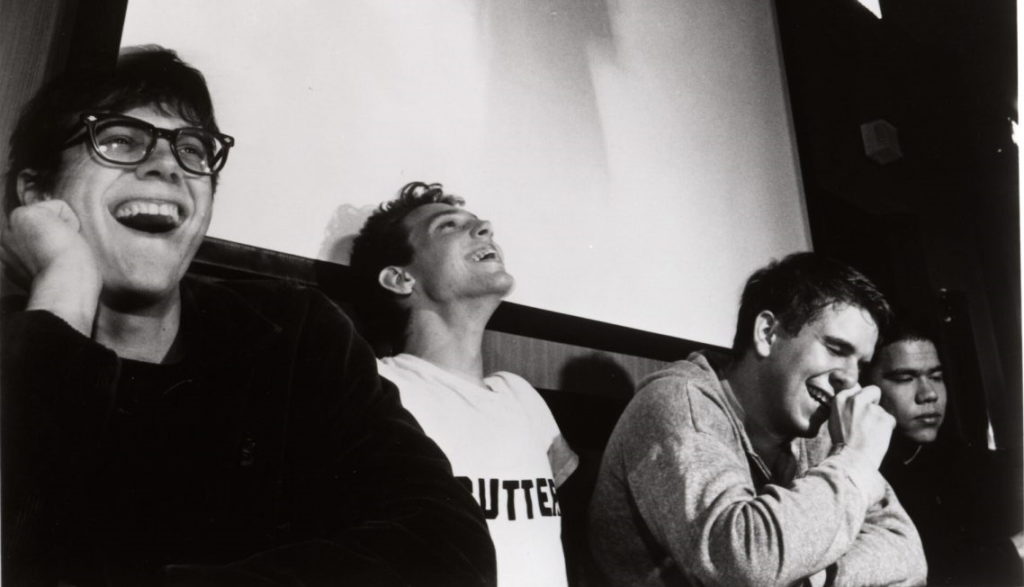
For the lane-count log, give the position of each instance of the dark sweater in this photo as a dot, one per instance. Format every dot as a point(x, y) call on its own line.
point(965, 503)
point(272, 454)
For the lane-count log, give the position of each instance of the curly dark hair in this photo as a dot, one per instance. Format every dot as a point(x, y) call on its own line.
point(148, 75)
point(383, 242)
point(797, 289)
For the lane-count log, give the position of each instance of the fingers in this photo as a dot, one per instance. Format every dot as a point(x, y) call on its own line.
point(41, 236)
point(13, 266)
point(845, 394)
point(871, 394)
point(856, 416)
point(61, 210)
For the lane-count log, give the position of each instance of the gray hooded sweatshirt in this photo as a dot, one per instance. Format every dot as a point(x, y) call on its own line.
point(683, 499)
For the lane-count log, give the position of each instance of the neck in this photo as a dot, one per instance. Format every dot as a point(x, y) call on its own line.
point(747, 385)
point(902, 449)
point(142, 334)
point(451, 337)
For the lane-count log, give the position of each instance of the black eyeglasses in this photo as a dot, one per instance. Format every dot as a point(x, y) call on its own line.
point(124, 140)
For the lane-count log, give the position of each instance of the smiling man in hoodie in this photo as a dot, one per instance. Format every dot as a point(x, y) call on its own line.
point(726, 474)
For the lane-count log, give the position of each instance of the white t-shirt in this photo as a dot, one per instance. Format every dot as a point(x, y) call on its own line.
point(505, 447)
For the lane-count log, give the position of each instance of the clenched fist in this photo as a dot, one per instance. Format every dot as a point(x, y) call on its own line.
point(43, 251)
point(861, 424)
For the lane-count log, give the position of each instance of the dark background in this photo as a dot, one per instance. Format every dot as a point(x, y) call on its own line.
point(938, 228)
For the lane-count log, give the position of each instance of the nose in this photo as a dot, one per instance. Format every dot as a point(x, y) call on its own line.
point(926, 392)
point(161, 163)
point(483, 228)
point(843, 379)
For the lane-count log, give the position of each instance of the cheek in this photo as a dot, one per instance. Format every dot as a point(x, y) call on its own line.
point(905, 400)
point(892, 400)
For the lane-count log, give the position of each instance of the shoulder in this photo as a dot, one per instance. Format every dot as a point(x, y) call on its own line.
point(683, 385)
point(686, 396)
point(281, 302)
point(261, 293)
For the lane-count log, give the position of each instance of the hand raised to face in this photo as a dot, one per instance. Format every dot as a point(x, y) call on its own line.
point(857, 421)
point(43, 251)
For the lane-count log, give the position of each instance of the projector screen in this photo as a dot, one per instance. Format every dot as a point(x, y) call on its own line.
point(636, 156)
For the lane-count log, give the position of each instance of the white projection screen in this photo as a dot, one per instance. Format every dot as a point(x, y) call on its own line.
point(636, 157)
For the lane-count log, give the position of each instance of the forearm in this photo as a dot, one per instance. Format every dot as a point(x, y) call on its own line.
point(57, 392)
point(722, 529)
point(69, 290)
point(887, 551)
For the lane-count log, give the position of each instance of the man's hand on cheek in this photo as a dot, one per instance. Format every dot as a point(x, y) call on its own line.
point(43, 251)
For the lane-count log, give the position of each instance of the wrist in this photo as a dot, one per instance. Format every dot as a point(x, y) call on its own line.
point(69, 290)
point(860, 471)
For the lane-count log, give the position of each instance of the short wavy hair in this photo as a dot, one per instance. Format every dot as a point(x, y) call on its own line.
point(798, 288)
point(147, 75)
point(383, 242)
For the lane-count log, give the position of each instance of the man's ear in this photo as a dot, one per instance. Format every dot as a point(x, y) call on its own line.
point(766, 331)
point(396, 280)
point(29, 191)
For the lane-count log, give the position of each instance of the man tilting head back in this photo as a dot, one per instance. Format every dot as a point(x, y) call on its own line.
point(435, 275)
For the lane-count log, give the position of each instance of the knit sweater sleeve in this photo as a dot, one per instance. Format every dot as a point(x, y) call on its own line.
point(887, 550)
point(693, 486)
point(58, 389)
point(373, 497)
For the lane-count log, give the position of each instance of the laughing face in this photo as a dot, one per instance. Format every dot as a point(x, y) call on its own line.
point(803, 372)
point(455, 255)
point(143, 222)
point(913, 390)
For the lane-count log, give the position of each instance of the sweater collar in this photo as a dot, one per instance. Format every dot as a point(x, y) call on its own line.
point(219, 324)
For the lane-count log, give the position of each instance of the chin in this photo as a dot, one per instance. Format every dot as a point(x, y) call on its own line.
point(923, 436)
point(139, 294)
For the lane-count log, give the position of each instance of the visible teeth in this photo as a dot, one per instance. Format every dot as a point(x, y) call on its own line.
point(484, 254)
point(818, 395)
point(134, 208)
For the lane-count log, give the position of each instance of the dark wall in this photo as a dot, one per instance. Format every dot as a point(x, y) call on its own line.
point(939, 227)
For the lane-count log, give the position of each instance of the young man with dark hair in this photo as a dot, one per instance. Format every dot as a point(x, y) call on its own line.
point(965, 501)
point(163, 430)
point(719, 475)
point(438, 276)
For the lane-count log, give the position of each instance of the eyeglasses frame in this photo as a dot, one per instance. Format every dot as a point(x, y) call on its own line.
point(90, 119)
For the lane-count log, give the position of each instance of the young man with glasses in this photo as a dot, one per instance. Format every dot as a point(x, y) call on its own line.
point(159, 429)
point(432, 275)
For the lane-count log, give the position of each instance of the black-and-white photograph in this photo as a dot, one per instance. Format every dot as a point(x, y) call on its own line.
point(525, 293)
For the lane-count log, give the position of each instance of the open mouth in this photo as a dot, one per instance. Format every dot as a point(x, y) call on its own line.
point(819, 395)
point(152, 217)
point(486, 255)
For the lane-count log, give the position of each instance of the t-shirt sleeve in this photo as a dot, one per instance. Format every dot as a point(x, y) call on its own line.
point(563, 459)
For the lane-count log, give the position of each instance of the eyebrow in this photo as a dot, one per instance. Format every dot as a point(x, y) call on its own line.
point(841, 345)
point(912, 372)
point(437, 216)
